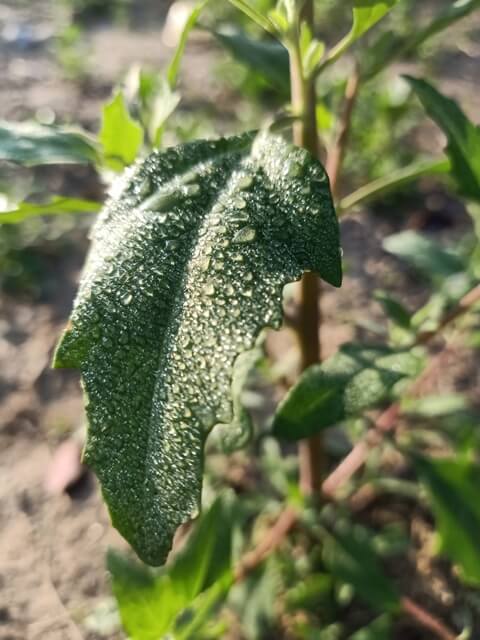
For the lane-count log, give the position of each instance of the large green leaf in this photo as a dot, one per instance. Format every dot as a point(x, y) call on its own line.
point(463, 136)
point(120, 135)
point(151, 605)
point(57, 206)
point(353, 380)
point(187, 266)
point(30, 144)
point(453, 486)
point(269, 58)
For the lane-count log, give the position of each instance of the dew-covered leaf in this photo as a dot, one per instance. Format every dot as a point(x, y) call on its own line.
point(57, 206)
point(121, 136)
point(187, 266)
point(31, 144)
point(151, 605)
point(463, 136)
point(353, 380)
point(453, 486)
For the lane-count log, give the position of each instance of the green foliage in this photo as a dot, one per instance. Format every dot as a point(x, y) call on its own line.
point(394, 309)
point(58, 205)
point(366, 14)
point(30, 144)
point(174, 66)
point(379, 629)
point(424, 254)
point(353, 380)
point(453, 487)
point(120, 136)
point(463, 136)
point(267, 57)
point(349, 555)
point(174, 601)
point(194, 232)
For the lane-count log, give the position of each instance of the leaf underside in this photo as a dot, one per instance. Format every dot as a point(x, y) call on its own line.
point(187, 265)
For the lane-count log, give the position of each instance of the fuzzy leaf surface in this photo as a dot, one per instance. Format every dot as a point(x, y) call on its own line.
point(187, 266)
point(353, 380)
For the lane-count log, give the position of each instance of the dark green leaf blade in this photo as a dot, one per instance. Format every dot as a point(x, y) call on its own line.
point(31, 144)
point(150, 604)
point(269, 58)
point(187, 266)
point(453, 487)
point(354, 379)
point(57, 206)
point(463, 136)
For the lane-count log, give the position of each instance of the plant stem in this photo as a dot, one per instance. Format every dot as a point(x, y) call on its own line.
point(337, 153)
point(305, 134)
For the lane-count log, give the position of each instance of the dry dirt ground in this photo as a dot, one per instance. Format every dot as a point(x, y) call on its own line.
point(52, 547)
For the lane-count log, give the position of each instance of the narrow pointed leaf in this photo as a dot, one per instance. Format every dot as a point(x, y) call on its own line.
point(174, 66)
point(31, 144)
point(354, 379)
point(187, 266)
point(57, 206)
point(463, 136)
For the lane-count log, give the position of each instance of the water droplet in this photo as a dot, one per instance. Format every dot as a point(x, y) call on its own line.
point(295, 169)
point(245, 182)
point(205, 263)
point(248, 276)
point(245, 234)
point(247, 293)
point(239, 202)
point(126, 298)
point(209, 289)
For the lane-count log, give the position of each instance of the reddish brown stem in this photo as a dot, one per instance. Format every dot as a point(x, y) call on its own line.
point(427, 620)
point(337, 153)
point(305, 134)
point(269, 543)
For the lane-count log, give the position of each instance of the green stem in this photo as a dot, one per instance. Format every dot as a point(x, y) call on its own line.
point(392, 182)
point(305, 135)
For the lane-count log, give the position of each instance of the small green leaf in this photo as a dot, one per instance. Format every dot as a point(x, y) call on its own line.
point(379, 629)
point(120, 135)
point(453, 487)
point(30, 144)
point(349, 555)
point(434, 406)
point(150, 604)
point(394, 309)
point(354, 379)
point(268, 58)
point(366, 14)
point(163, 103)
point(174, 66)
point(187, 266)
point(424, 254)
point(57, 206)
point(463, 136)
